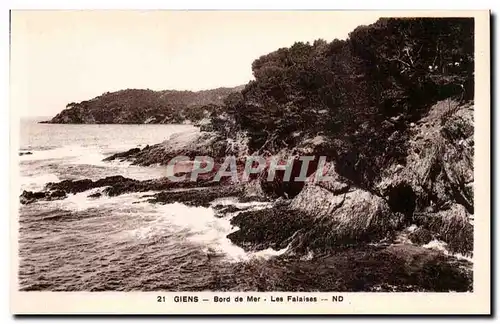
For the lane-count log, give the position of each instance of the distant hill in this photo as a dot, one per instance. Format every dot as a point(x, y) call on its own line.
point(139, 106)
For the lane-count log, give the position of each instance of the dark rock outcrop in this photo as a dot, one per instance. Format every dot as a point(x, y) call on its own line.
point(197, 197)
point(421, 236)
point(267, 228)
point(76, 186)
point(114, 185)
point(124, 155)
point(322, 217)
point(342, 214)
point(28, 197)
point(95, 195)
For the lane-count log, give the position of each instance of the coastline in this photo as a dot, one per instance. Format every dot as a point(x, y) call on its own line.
point(385, 120)
point(357, 239)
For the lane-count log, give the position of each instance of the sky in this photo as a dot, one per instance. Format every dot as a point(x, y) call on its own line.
point(59, 57)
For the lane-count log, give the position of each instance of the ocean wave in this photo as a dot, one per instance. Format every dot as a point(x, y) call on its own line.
point(443, 247)
point(81, 201)
point(55, 153)
point(234, 202)
point(37, 182)
point(147, 221)
point(199, 225)
point(71, 154)
point(80, 162)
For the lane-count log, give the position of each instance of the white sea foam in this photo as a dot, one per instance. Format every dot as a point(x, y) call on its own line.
point(202, 227)
point(309, 256)
point(198, 225)
point(92, 157)
point(37, 182)
point(74, 154)
point(412, 228)
point(234, 202)
point(442, 246)
point(402, 237)
point(81, 201)
point(56, 153)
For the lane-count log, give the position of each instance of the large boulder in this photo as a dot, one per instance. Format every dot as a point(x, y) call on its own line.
point(325, 215)
point(342, 214)
point(191, 143)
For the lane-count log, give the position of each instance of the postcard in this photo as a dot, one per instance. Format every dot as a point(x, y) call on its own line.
point(250, 162)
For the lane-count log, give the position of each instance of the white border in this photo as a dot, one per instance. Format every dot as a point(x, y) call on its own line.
point(148, 4)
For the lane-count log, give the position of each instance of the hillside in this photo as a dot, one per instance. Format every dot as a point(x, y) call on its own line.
point(138, 106)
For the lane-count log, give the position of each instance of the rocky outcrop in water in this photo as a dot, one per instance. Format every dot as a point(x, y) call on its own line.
point(28, 197)
point(112, 186)
point(188, 144)
point(353, 217)
point(122, 156)
point(205, 196)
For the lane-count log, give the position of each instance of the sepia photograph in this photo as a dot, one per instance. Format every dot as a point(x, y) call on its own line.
point(246, 151)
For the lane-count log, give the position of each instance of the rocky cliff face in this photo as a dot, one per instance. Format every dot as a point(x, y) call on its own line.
point(439, 166)
point(436, 184)
point(430, 192)
point(137, 106)
point(433, 189)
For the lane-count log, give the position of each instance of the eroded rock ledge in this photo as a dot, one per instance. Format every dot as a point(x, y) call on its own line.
point(112, 186)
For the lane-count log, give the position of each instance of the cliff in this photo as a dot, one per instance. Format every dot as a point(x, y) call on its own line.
point(139, 106)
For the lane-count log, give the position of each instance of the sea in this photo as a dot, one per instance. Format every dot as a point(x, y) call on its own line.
point(116, 243)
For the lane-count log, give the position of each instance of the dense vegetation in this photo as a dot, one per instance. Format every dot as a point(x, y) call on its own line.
point(361, 95)
point(136, 106)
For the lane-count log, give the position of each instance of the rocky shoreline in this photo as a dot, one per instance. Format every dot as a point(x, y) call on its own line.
point(337, 235)
point(322, 254)
point(316, 260)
